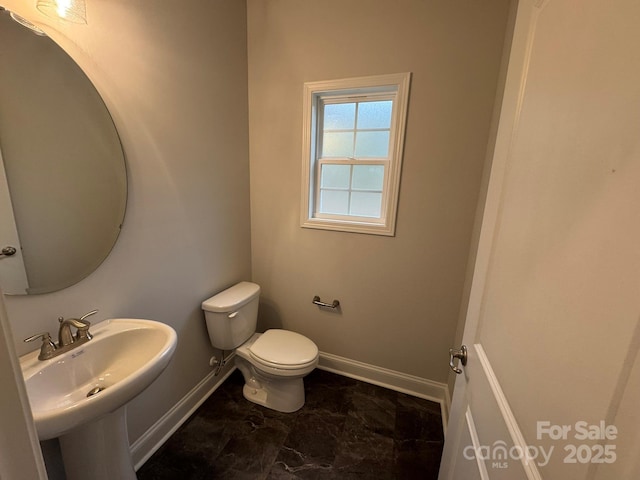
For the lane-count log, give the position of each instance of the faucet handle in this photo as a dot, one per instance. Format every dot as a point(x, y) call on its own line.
point(83, 332)
point(45, 336)
point(92, 312)
point(47, 347)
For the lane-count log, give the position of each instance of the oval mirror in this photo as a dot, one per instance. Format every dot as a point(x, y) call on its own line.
point(63, 185)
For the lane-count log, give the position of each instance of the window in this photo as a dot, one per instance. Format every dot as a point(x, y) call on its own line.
point(353, 140)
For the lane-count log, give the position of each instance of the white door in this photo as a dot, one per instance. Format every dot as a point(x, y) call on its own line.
point(13, 276)
point(20, 455)
point(552, 380)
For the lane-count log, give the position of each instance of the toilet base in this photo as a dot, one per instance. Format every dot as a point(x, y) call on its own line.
point(282, 400)
point(281, 394)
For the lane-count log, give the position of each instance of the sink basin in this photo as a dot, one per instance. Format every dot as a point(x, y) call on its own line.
point(124, 357)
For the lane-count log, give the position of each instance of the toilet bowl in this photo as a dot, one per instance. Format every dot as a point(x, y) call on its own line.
point(273, 363)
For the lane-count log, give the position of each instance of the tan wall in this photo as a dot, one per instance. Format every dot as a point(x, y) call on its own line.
point(175, 82)
point(400, 296)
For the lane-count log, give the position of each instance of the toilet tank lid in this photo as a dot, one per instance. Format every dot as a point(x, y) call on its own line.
point(232, 298)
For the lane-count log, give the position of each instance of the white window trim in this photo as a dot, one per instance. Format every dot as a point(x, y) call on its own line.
point(313, 91)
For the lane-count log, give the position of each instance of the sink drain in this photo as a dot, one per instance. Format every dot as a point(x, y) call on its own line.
point(95, 390)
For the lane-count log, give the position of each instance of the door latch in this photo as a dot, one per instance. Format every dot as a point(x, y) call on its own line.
point(460, 354)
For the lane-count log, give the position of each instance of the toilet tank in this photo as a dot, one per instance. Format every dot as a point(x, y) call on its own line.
point(232, 315)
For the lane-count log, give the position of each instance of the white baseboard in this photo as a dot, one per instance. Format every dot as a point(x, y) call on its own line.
point(152, 439)
point(400, 382)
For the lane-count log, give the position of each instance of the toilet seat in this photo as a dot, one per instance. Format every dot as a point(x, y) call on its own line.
point(284, 350)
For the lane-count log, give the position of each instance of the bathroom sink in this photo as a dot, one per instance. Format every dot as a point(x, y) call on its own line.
point(124, 357)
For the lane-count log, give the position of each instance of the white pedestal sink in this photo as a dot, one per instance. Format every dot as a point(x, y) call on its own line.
point(124, 357)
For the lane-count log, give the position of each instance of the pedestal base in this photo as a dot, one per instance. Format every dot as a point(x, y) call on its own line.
point(99, 450)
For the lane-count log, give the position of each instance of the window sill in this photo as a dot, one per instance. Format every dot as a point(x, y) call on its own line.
point(349, 226)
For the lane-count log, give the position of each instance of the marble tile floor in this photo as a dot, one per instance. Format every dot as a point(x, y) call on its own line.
point(346, 430)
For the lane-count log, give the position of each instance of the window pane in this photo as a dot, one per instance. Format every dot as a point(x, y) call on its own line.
point(339, 116)
point(334, 201)
point(374, 114)
point(368, 177)
point(365, 204)
point(337, 144)
point(372, 144)
point(335, 176)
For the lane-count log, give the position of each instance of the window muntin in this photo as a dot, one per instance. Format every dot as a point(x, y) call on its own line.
point(350, 189)
point(353, 146)
point(359, 129)
point(353, 153)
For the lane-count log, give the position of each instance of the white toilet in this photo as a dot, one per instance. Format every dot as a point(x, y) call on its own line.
point(273, 363)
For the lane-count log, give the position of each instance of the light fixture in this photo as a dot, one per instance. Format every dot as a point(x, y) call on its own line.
point(71, 10)
point(26, 23)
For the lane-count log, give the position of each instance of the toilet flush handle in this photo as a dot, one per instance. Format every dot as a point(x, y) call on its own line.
point(232, 315)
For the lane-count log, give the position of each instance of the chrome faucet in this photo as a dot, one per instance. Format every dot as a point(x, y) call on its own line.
point(66, 340)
